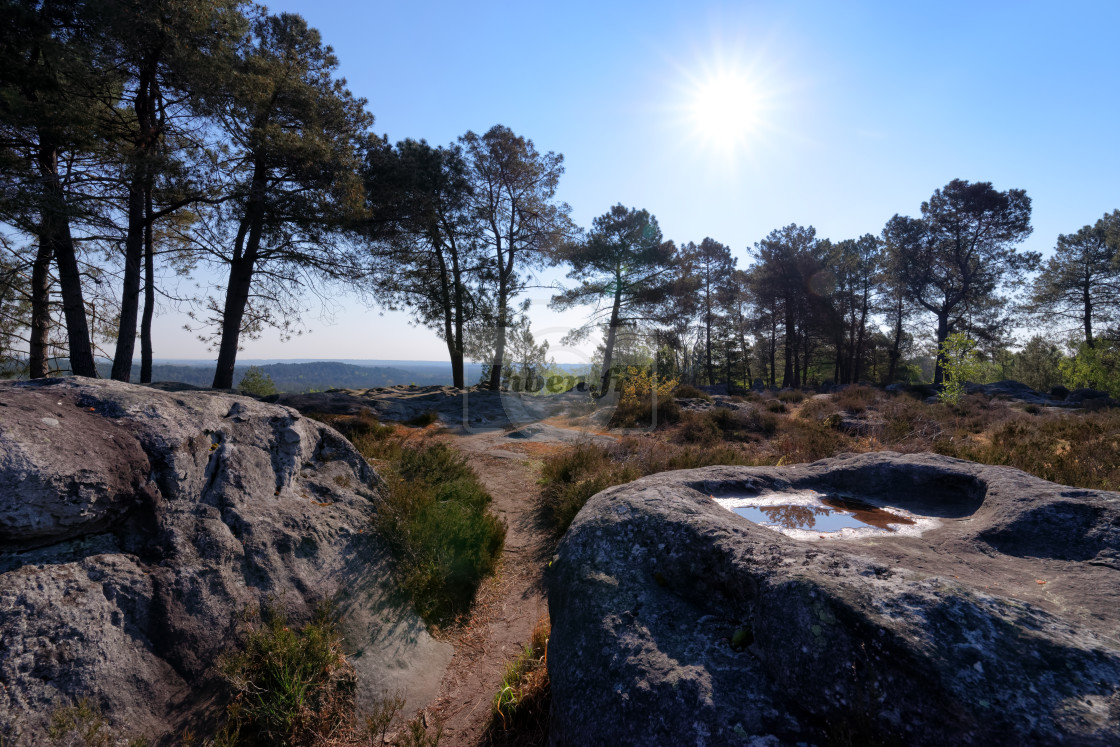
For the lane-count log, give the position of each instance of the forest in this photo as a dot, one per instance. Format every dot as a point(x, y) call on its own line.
point(140, 143)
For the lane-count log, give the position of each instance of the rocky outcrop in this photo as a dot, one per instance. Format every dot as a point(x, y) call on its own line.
point(676, 621)
point(137, 525)
point(471, 409)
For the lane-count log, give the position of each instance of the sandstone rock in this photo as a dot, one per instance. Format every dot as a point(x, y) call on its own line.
point(138, 528)
point(472, 409)
point(677, 621)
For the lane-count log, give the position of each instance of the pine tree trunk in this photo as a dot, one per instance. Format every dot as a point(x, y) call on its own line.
point(149, 293)
point(139, 189)
point(237, 299)
point(942, 335)
point(54, 233)
point(1088, 317)
point(608, 353)
point(40, 312)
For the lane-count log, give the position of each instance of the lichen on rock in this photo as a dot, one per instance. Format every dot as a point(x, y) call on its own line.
point(140, 525)
point(996, 626)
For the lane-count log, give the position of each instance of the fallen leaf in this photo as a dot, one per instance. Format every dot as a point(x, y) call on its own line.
point(1039, 581)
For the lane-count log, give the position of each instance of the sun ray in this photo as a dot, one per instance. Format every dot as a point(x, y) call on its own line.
point(728, 102)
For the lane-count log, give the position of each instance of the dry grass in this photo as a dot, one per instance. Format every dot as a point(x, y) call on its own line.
point(522, 703)
point(687, 391)
point(1081, 449)
point(856, 399)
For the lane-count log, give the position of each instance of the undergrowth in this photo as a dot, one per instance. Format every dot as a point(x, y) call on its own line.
point(290, 687)
point(687, 391)
point(522, 702)
point(435, 516)
point(645, 401)
point(295, 688)
point(82, 724)
point(1080, 449)
point(569, 478)
point(436, 521)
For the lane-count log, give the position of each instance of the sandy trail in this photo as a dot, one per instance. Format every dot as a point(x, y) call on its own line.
point(509, 603)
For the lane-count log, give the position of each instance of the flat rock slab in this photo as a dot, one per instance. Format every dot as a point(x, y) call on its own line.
point(676, 621)
point(137, 526)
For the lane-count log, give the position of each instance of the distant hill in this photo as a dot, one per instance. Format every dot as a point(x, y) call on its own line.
point(303, 377)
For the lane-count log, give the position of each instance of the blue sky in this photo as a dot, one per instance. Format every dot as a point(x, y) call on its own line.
point(859, 111)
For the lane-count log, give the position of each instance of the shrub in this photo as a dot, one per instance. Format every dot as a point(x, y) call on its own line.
point(792, 396)
point(424, 419)
point(699, 428)
point(640, 413)
point(734, 424)
point(775, 406)
point(443, 538)
point(817, 408)
point(801, 441)
point(1094, 368)
point(83, 725)
point(638, 393)
point(571, 477)
point(289, 686)
point(522, 702)
point(960, 363)
point(855, 399)
point(763, 423)
point(374, 440)
point(256, 382)
point(1078, 450)
point(435, 517)
point(687, 391)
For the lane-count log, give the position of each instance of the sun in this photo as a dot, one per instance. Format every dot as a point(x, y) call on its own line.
point(726, 108)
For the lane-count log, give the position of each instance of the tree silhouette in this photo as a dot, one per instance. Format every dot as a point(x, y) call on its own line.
point(959, 253)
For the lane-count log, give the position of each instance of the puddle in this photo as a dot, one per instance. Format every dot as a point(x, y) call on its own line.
point(807, 514)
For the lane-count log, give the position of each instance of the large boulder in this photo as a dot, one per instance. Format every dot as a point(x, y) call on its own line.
point(136, 528)
point(992, 621)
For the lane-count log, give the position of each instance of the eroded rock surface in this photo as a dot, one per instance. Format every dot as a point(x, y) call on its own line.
point(678, 621)
point(136, 526)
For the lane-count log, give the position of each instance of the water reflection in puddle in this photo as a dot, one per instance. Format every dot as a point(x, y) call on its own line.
point(832, 515)
point(807, 514)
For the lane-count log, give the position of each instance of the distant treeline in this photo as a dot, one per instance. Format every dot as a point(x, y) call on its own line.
point(301, 377)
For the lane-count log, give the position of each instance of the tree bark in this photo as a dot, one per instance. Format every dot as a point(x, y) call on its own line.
point(1088, 316)
point(505, 274)
point(40, 312)
point(149, 293)
point(608, 352)
point(54, 234)
point(138, 190)
point(896, 346)
point(241, 268)
point(942, 335)
point(457, 370)
point(790, 351)
point(237, 298)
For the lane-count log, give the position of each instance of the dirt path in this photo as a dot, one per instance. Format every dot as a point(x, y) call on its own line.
point(508, 604)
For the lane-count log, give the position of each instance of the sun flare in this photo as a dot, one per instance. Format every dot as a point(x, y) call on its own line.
point(726, 109)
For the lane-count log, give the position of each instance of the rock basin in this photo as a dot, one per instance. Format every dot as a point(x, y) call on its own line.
point(677, 621)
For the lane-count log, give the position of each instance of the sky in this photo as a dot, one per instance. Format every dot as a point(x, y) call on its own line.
point(730, 120)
